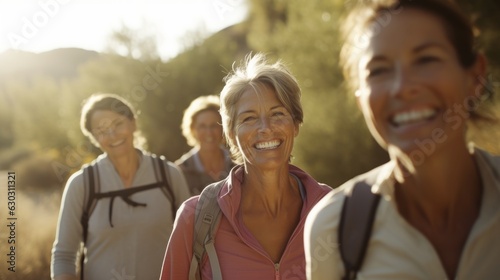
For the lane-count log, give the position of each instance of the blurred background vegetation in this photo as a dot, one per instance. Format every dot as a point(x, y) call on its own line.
point(41, 95)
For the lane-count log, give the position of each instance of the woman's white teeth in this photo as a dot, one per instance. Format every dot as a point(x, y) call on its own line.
point(413, 116)
point(117, 143)
point(267, 145)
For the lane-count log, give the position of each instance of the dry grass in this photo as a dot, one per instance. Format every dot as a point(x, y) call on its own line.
point(35, 231)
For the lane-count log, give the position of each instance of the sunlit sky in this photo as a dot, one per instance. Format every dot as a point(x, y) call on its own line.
point(42, 25)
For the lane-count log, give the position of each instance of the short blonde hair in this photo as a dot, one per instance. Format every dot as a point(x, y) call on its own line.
point(254, 73)
point(200, 104)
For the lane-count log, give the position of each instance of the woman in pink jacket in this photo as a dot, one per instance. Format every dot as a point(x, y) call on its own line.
point(265, 200)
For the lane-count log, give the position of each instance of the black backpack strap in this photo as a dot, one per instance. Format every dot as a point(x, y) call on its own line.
point(356, 223)
point(91, 186)
point(125, 194)
point(207, 218)
point(161, 165)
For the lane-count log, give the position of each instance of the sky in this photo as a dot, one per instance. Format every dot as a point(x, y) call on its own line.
point(42, 25)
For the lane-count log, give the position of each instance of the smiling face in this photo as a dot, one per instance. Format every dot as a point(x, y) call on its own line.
point(113, 132)
point(412, 85)
point(207, 129)
point(264, 130)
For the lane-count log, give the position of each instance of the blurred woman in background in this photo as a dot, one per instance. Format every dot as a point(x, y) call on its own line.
point(208, 161)
point(128, 229)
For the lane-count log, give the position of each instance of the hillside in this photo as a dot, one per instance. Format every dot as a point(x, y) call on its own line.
point(65, 62)
point(58, 64)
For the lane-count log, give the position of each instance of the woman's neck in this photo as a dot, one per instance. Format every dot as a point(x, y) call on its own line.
point(441, 199)
point(126, 166)
point(440, 191)
point(274, 190)
point(213, 161)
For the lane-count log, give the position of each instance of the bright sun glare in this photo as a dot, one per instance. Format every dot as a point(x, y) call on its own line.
point(42, 25)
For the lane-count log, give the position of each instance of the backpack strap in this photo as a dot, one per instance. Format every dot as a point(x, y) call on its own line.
point(92, 192)
point(125, 194)
point(207, 219)
point(92, 186)
point(356, 223)
point(161, 165)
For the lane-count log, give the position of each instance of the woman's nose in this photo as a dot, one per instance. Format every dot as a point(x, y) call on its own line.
point(264, 124)
point(403, 82)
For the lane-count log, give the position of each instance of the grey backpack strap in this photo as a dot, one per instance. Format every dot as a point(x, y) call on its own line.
point(207, 218)
point(358, 214)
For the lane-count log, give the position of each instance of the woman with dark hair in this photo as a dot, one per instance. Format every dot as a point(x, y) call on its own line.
point(419, 82)
point(126, 231)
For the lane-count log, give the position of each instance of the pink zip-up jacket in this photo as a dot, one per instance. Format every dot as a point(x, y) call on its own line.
point(240, 254)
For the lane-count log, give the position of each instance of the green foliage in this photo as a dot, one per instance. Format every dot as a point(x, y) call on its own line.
point(198, 71)
point(484, 15)
point(35, 114)
point(132, 43)
point(6, 118)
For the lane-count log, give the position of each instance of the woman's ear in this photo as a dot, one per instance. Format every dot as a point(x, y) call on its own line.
point(297, 128)
point(478, 75)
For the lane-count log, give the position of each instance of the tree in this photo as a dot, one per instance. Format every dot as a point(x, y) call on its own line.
point(138, 44)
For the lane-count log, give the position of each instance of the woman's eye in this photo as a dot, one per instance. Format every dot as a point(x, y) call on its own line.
point(427, 59)
point(247, 119)
point(377, 71)
point(118, 125)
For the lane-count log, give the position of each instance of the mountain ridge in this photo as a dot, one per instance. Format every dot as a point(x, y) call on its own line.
point(57, 63)
point(63, 63)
